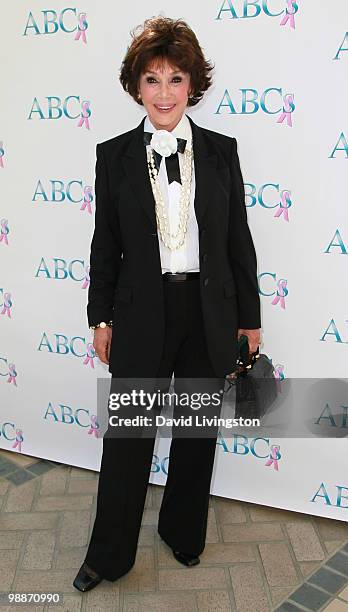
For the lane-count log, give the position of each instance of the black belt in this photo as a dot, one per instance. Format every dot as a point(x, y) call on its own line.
point(179, 276)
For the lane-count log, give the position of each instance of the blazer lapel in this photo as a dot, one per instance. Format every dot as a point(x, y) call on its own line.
point(205, 172)
point(135, 165)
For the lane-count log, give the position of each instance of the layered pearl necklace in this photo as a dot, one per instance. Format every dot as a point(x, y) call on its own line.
point(172, 241)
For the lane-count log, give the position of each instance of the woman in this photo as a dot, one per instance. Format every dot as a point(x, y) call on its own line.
point(173, 286)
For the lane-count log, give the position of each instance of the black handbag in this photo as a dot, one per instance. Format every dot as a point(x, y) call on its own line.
point(255, 382)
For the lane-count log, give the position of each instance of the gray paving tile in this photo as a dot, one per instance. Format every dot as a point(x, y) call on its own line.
point(339, 562)
point(6, 467)
point(41, 467)
point(288, 607)
point(328, 580)
point(310, 597)
point(3, 460)
point(19, 476)
point(345, 549)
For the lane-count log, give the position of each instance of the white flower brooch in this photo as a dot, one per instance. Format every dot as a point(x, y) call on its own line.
point(164, 143)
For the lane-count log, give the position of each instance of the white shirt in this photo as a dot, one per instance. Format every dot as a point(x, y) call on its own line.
point(186, 258)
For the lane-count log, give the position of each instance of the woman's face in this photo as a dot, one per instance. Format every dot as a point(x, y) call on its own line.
point(164, 90)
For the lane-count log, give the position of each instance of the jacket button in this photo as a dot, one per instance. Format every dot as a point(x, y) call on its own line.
point(204, 257)
point(205, 282)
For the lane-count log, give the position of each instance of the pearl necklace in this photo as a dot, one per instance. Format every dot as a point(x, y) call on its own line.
point(172, 241)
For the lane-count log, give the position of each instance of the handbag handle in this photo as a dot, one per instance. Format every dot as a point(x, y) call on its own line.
point(243, 356)
point(246, 359)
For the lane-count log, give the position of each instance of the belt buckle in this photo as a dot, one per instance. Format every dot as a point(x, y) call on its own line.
point(179, 276)
point(176, 276)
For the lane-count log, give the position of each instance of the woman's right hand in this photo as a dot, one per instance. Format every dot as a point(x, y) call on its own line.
point(102, 343)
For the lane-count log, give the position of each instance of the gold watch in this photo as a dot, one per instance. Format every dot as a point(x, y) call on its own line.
point(102, 325)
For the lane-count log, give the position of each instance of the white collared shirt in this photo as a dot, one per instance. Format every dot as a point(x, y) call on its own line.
point(186, 258)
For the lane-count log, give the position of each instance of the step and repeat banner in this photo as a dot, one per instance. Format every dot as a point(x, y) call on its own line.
point(280, 87)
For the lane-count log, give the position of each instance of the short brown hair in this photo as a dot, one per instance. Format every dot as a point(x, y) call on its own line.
point(162, 38)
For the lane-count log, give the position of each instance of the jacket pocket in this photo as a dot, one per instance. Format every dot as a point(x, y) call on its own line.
point(229, 288)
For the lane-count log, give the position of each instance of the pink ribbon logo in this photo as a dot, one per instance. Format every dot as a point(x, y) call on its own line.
point(282, 292)
point(12, 374)
point(288, 109)
point(274, 457)
point(279, 372)
point(290, 11)
point(4, 231)
point(284, 205)
point(2, 153)
point(85, 114)
point(87, 279)
point(279, 375)
point(94, 426)
point(7, 305)
point(82, 27)
point(19, 440)
point(90, 355)
point(87, 199)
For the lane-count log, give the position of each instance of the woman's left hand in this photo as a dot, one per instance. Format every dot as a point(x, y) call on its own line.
point(254, 338)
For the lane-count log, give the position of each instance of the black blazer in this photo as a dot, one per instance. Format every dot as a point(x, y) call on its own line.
point(125, 267)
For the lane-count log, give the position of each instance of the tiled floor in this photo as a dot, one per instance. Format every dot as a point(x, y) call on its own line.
point(256, 558)
point(325, 589)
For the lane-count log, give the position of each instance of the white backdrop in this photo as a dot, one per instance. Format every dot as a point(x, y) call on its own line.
point(48, 386)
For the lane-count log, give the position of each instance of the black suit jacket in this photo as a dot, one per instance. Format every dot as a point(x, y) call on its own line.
point(125, 267)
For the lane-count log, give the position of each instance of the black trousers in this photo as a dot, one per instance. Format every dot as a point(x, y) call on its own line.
point(126, 462)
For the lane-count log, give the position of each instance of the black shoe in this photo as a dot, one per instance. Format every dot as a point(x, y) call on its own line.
point(86, 578)
point(185, 558)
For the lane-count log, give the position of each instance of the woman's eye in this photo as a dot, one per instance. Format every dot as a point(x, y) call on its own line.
point(177, 79)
